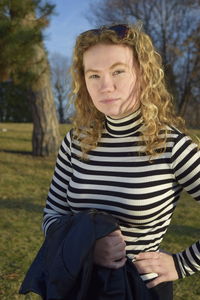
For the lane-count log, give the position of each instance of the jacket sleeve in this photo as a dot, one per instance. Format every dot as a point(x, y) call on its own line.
point(56, 203)
point(186, 165)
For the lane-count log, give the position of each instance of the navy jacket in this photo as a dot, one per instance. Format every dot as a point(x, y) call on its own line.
point(63, 268)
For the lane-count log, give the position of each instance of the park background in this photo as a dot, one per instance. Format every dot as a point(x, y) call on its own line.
point(36, 42)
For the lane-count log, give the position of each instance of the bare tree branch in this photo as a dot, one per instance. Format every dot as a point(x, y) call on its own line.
point(61, 85)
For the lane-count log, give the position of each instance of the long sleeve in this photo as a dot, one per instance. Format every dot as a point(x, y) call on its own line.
point(56, 203)
point(186, 165)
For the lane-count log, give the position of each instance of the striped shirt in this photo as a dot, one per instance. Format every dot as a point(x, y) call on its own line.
point(118, 177)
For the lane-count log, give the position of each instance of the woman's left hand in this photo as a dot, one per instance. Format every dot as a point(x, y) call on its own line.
point(156, 262)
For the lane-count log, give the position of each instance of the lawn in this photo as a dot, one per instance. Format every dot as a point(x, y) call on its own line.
point(24, 182)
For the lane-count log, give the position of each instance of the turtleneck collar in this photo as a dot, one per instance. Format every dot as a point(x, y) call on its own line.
point(125, 126)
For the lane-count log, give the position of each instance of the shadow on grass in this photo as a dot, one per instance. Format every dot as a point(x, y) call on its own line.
point(24, 204)
point(16, 152)
point(17, 138)
point(182, 230)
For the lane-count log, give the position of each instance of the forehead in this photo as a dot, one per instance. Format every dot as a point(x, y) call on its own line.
point(105, 55)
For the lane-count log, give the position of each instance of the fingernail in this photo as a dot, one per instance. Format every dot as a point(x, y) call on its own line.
point(134, 258)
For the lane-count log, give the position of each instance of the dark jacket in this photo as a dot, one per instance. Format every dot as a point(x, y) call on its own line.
point(63, 268)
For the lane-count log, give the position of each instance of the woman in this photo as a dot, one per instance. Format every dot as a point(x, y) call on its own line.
point(127, 154)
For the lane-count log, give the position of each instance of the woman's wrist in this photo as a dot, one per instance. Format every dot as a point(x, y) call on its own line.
point(177, 266)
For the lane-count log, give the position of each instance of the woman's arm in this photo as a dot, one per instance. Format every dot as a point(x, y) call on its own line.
point(186, 166)
point(56, 203)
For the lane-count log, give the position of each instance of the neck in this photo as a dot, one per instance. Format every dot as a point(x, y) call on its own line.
point(124, 126)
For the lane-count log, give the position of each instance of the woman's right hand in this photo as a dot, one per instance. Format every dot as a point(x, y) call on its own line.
point(110, 251)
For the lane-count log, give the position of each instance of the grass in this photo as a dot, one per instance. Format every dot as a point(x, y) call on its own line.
point(24, 182)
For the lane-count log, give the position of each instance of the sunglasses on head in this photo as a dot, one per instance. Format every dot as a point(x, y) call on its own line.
point(120, 29)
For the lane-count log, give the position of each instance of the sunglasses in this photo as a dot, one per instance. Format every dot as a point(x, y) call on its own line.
point(120, 29)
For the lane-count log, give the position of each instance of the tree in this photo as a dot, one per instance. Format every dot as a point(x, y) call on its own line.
point(172, 25)
point(23, 60)
point(192, 68)
point(13, 103)
point(61, 84)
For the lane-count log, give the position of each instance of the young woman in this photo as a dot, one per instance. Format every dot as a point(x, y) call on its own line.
point(127, 154)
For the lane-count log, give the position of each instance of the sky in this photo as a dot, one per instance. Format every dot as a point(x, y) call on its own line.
point(68, 22)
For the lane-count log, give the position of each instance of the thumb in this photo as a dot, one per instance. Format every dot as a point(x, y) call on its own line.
point(115, 233)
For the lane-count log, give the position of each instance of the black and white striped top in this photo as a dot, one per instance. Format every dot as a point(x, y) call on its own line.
point(120, 179)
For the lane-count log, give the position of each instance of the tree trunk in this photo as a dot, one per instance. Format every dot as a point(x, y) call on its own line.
point(46, 136)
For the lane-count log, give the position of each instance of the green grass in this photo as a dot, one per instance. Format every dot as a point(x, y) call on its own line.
point(24, 182)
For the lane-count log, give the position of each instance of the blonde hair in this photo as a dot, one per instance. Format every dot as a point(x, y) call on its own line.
point(156, 102)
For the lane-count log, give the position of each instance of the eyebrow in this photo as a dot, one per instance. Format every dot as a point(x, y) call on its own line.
point(112, 67)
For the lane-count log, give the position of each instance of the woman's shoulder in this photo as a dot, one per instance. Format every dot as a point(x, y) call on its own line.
point(181, 140)
point(174, 134)
point(67, 139)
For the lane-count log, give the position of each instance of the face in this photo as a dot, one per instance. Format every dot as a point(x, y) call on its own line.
point(110, 77)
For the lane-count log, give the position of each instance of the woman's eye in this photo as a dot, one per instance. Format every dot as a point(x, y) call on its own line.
point(94, 76)
point(117, 72)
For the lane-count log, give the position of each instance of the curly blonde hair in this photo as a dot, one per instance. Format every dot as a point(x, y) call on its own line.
point(155, 100)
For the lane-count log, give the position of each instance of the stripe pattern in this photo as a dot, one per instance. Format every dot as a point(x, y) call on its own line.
point(119, 178)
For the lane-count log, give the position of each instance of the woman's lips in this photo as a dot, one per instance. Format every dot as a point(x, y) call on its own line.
point(109, 100)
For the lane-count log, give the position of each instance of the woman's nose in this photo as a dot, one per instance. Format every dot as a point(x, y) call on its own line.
point(107, 84)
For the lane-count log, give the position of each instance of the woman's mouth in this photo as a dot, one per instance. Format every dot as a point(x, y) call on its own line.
point(109, 100)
